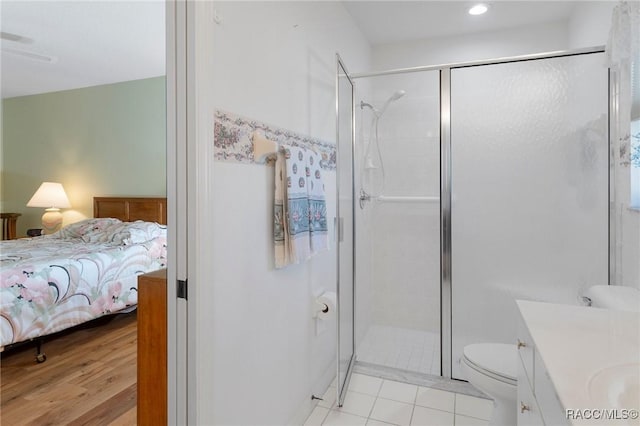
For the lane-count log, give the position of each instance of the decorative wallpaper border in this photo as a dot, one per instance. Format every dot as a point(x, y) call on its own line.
point(233, 140)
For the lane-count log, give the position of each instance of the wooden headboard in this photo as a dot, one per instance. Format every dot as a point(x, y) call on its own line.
point(129, 209)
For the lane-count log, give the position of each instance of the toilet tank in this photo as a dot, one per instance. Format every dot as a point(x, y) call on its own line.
point(616, 297)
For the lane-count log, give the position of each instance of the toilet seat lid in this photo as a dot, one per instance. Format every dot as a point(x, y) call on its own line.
point(497, 358)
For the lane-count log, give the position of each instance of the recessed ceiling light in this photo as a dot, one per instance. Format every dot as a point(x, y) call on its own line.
point(478, 9)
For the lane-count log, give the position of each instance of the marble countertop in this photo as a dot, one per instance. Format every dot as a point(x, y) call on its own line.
point(579, 346)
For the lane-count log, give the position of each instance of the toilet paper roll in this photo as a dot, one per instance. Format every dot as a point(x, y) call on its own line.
point(326, 305)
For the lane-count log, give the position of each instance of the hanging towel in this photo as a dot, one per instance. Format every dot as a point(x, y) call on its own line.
point(291, 207)
point(317, 205)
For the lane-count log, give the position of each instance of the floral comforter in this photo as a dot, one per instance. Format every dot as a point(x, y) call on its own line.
point(54, 282)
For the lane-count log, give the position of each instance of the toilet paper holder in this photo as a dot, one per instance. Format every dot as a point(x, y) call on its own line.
point(325, 305)
point(322, 307)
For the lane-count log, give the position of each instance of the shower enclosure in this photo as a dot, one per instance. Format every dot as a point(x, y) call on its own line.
point(400, 180)
point(495, 188)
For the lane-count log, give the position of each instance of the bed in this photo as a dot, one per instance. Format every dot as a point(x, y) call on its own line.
point(85, 271)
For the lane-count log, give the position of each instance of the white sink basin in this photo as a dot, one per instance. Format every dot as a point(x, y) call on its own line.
point(619, 385)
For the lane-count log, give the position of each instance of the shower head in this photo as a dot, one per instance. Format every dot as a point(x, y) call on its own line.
point(378, 112)
point(397, 95)
point(394, 97)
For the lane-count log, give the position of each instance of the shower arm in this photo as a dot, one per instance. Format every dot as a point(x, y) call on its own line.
point(364, 104)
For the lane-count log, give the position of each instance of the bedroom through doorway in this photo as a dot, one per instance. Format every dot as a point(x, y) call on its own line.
point(84, 106)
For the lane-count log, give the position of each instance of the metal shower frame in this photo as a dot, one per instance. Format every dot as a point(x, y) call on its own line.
point(445, 177)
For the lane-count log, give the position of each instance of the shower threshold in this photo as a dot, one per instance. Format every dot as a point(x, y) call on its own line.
point(420, 379)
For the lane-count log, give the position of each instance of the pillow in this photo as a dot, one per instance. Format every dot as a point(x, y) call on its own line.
point(109, 230)
point(140, 232)
point(115, 233)
point(85, 227)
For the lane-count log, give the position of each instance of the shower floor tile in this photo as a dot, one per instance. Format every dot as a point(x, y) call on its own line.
point(401, 348)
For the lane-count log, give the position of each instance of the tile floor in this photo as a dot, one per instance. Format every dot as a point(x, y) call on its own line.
point(377, 402)
point(401, 348)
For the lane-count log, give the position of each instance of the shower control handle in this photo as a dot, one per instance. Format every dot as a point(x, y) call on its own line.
point(364, 197)
point(521, 344)
point(524, 407)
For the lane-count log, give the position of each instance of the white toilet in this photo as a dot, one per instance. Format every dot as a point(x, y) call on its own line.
point(493, 368)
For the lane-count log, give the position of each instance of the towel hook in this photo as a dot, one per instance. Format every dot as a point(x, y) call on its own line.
point(262, 147)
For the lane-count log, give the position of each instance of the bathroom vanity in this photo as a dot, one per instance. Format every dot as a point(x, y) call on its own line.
point(574, 359)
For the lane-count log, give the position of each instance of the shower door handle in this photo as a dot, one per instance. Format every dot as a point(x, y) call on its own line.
point(338, 229)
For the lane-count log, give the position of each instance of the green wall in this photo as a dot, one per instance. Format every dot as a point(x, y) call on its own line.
point(97, 141)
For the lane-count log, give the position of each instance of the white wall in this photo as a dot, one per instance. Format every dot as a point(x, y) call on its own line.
point(589, 23)
point(275, 62)
point(486, 45)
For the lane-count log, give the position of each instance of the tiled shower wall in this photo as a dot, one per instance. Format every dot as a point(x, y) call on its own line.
point(406, 240)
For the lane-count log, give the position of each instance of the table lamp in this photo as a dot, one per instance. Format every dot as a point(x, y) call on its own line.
point(52, 196)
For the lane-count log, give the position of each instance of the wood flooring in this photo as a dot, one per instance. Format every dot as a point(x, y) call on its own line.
point(89, 378)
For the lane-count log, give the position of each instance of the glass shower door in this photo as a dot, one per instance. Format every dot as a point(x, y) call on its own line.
point(529, 158)
point(345, 228)
point(398, 303)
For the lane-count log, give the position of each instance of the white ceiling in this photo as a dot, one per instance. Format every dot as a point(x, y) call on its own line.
point(101, 42)
point(395, 21)
point(92, 43)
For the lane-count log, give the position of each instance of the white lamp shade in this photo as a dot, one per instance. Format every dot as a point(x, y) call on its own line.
point(50, 195)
